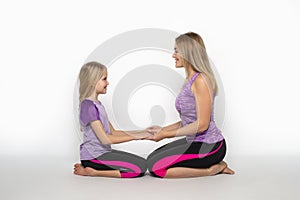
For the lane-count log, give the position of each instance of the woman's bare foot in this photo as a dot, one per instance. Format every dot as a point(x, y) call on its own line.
point(80, 170)
point(227, 170)
point(217, 168)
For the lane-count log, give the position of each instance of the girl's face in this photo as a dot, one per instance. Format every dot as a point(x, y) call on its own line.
point(102, 84)
point(178, 58)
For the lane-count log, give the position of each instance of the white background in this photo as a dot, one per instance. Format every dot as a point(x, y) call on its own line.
point(254, 44)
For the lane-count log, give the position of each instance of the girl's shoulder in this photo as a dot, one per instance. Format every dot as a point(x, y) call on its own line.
point(88, 111)
point(90, 102)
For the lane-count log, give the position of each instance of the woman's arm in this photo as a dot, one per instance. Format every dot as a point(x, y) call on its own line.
point(109, 139)
point(155, 129)
point(203, 100)
point(172, 126)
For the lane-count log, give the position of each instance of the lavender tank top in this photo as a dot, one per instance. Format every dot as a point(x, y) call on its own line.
point(186, 106)
point(92, 147)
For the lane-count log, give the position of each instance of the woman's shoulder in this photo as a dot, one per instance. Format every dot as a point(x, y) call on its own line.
point(200, 83)
point(198, 79)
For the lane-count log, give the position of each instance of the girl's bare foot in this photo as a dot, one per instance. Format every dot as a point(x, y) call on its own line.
point(80, 170)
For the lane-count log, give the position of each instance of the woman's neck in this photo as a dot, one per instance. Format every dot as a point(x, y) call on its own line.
point(189, 72)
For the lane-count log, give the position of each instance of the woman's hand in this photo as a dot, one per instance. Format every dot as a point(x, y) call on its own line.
point(154, 129)
point(157, 136)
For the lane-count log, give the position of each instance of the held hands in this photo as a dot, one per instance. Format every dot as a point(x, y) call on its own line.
point(157, 133)
point(154, 129)
point(154, 133)
point(141, 135)
point(151, 133)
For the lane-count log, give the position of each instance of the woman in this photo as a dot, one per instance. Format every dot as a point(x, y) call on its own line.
point(201, 152)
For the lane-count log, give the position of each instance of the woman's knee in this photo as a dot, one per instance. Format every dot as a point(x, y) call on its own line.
point(158, 173)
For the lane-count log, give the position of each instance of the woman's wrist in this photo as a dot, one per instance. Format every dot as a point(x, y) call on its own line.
point(169, 134)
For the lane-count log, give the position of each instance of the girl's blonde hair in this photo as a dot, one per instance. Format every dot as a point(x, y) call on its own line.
point(90, 74)
point(192, 49)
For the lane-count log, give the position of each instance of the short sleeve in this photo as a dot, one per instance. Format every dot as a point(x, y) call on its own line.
point(88, 112)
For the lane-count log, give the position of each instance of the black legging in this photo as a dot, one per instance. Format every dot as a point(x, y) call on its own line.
point(128, 164)
point(180, 153)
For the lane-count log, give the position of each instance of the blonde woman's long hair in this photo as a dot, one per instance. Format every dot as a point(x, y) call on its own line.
point(192, 49)
point(90, 74)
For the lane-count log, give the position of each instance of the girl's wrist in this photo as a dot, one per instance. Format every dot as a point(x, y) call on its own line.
point(135, 137)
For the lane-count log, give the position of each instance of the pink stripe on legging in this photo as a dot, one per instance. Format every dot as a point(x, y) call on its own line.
point(159, 168)
point(136, 169)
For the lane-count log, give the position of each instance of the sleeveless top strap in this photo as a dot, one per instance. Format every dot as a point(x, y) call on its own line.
point(194, 77)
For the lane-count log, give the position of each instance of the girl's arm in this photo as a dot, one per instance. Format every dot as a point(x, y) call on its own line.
point(109, 139)
point(136, 134)
point(203, 100)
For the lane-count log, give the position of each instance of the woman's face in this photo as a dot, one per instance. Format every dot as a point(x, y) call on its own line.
point(177, 57)
point(102, 84)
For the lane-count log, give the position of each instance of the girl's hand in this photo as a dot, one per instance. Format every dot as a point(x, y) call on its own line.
point(157, 136)
point(144, 134)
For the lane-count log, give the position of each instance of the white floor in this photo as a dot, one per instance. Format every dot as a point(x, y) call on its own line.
point(52, 178)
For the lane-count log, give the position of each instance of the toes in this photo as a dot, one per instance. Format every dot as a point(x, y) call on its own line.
point(77, 165)
point(228, 171)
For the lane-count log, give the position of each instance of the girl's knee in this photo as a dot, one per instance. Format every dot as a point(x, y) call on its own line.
point(138, 172)
point(131, 175)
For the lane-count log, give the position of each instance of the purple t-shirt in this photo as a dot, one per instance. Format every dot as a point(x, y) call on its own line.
point(92, 147)
point(186, 106)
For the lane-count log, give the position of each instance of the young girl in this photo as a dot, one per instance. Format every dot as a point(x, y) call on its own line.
point(97, 156)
